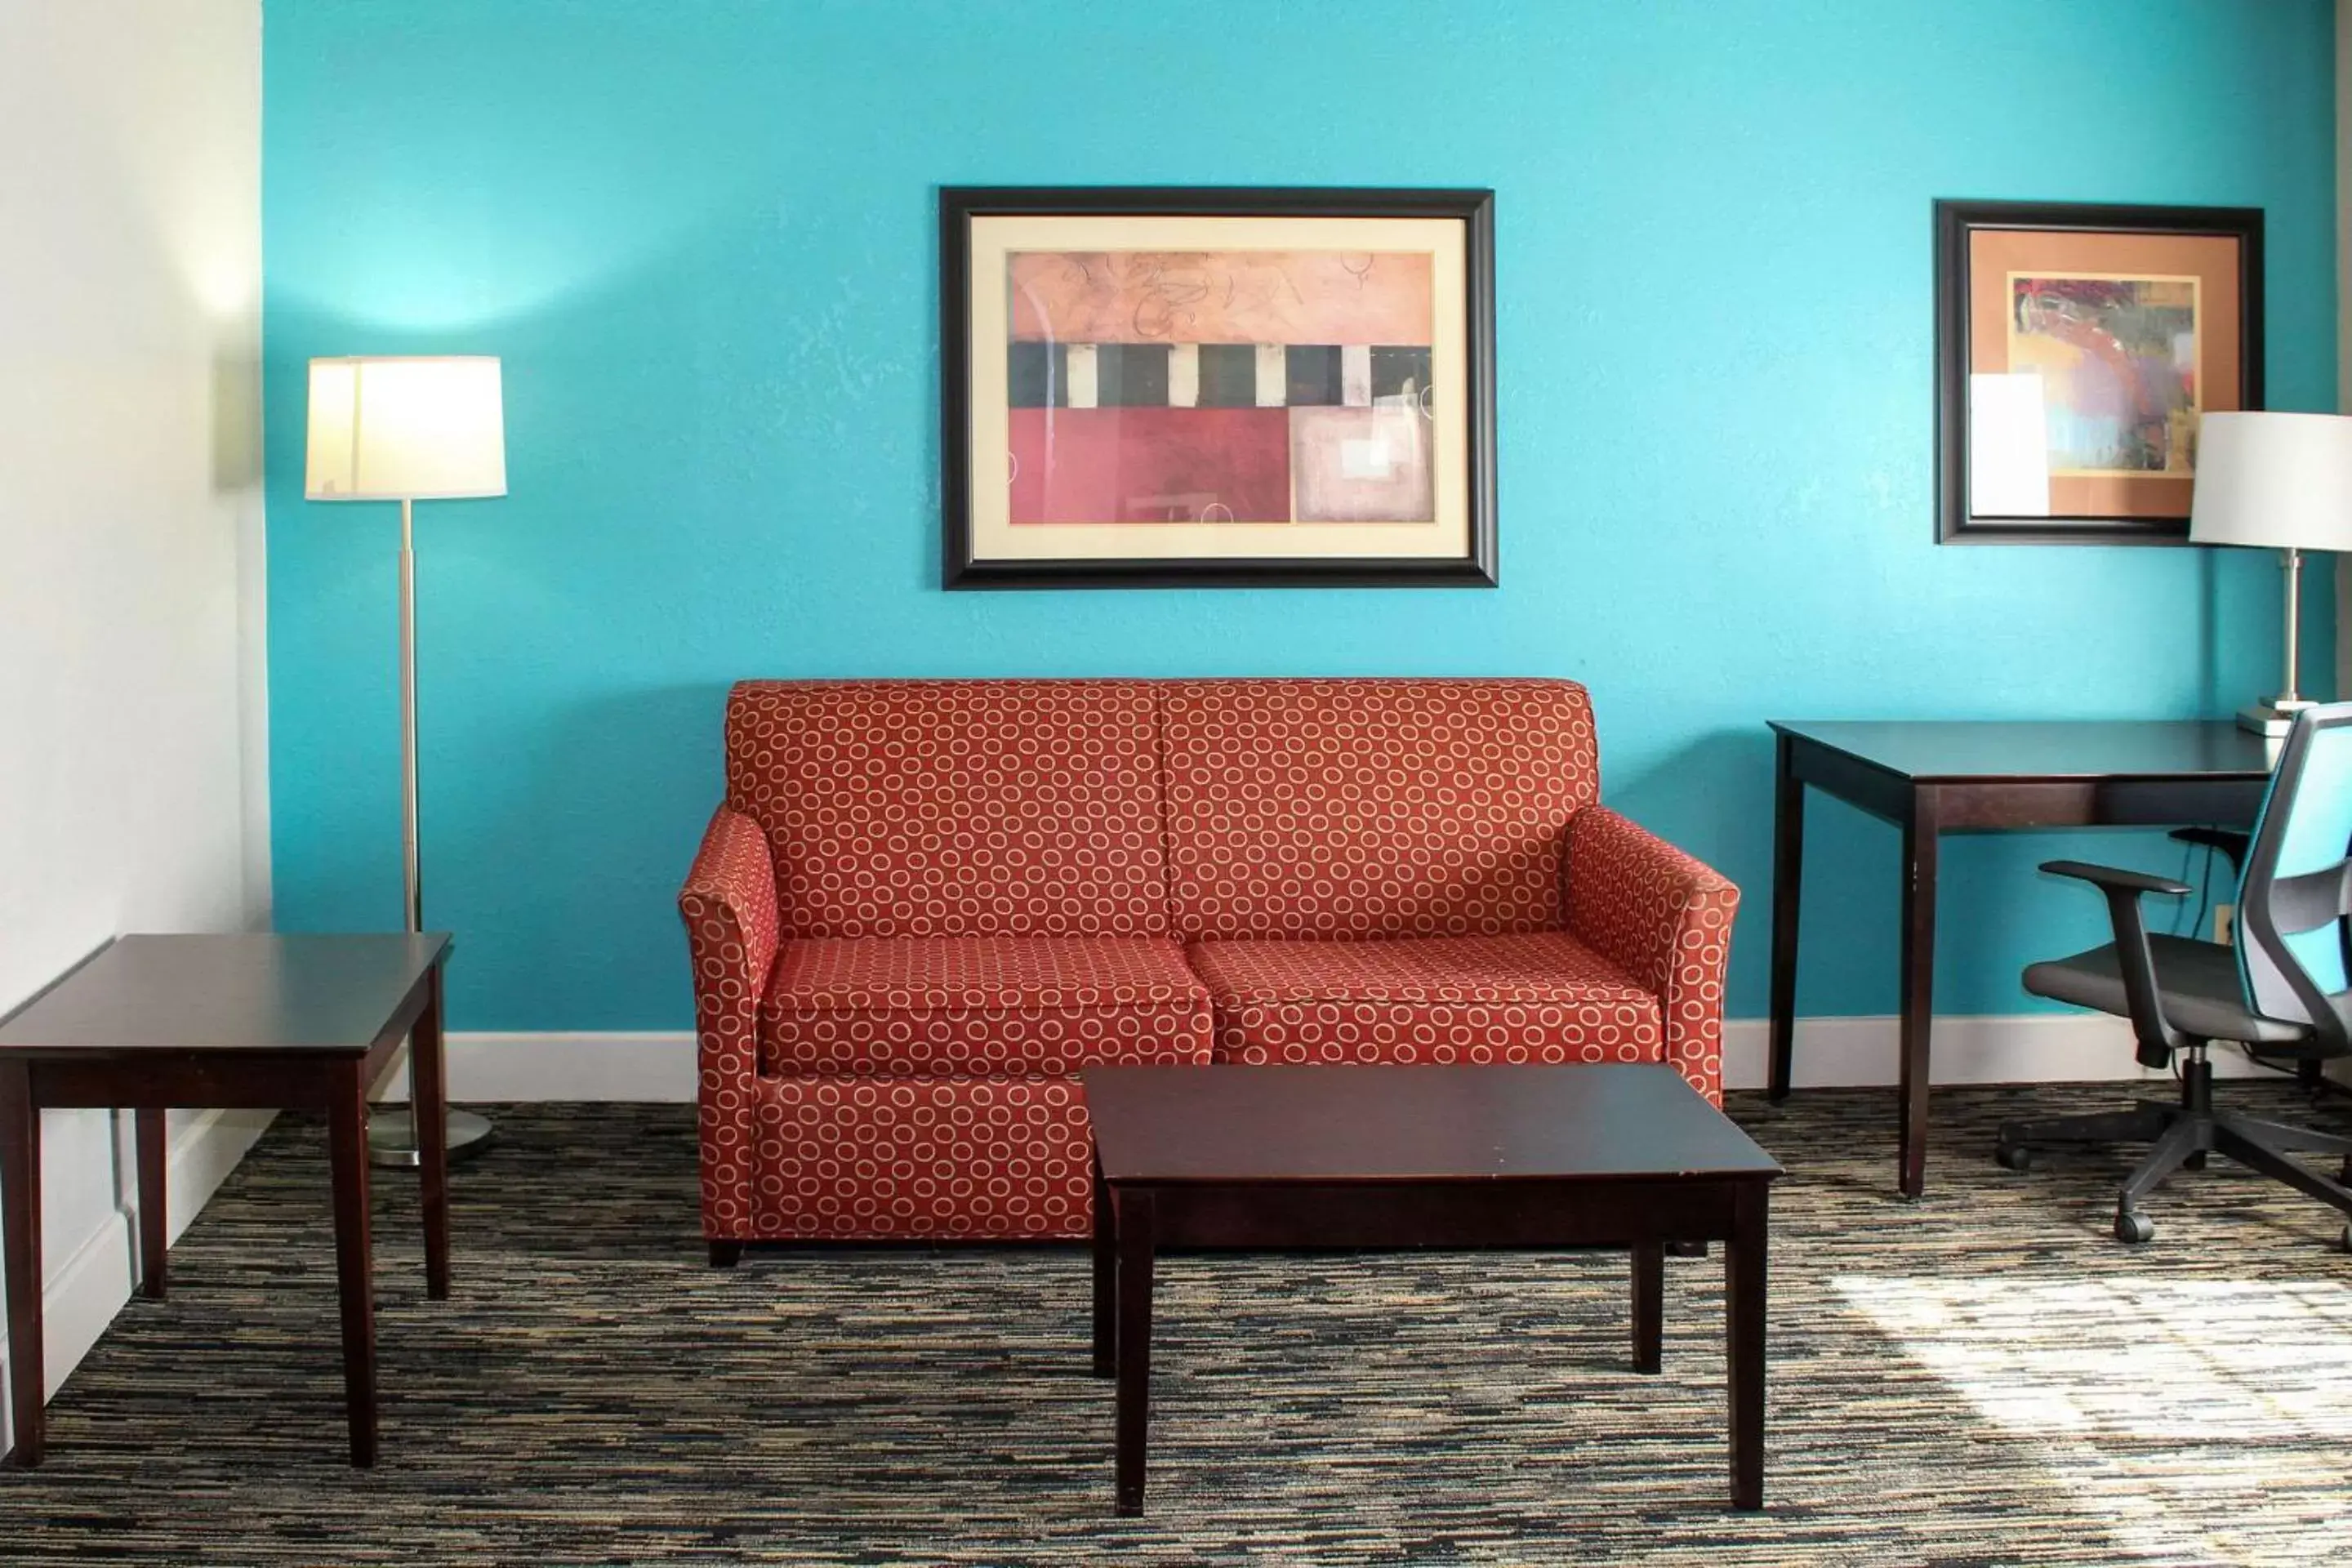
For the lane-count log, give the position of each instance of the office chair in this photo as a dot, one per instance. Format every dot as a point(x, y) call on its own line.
point(2284, 988)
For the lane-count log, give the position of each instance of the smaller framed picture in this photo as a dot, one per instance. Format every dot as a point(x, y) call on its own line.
point(2076, 347)
point(1190, 387)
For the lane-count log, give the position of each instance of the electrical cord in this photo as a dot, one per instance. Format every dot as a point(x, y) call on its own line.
point(2204, 888)
point(2188, 853)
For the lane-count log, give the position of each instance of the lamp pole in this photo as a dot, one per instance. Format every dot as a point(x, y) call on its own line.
point(2288, 700)
point(391, 1134)
point(413, 906)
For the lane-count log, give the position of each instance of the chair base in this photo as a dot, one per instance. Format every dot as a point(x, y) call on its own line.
point(2183, 1135)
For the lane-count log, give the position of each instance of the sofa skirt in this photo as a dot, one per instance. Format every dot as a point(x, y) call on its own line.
point(947, 1157)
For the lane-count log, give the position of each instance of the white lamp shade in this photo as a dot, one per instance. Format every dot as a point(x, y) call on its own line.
point(409, 428)
point(2279, 480)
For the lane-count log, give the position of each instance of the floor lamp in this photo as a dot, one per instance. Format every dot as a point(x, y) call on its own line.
point(408, 430)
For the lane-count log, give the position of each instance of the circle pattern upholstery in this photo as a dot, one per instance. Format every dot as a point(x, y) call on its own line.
point(955, 807)
point(943, 826)
point(1372, 808)
point(1537, 997)
point(728, 904)
point(857, 1159)
point(967, 1005)
point(1665, 919)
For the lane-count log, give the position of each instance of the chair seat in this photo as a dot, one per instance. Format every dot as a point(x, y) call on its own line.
point(2198, 982)
point(1536, 996)
point(1033, 1006)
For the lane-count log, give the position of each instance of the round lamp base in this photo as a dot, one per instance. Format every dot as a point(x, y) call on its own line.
point(391, 1140)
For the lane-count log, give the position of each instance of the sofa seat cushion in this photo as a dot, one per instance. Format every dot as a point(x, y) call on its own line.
point(1536, 996)
point(1046, 1005)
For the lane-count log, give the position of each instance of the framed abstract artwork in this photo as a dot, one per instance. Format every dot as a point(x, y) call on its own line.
point(1192, 386)
point(2076, 348)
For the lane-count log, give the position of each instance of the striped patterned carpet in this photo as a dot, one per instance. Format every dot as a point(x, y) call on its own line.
point(1984, 1377)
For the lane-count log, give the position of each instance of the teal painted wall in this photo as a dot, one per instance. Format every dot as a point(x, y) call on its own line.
point(702, 233)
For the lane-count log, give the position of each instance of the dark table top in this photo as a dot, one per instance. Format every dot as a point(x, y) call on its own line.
point(1945, 749)
point(330, 995)
point(1408, 1124)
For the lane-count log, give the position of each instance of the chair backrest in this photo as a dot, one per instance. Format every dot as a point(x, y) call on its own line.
point(2293, 902)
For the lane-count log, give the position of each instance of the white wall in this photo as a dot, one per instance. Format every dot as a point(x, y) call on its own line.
point(132, 740)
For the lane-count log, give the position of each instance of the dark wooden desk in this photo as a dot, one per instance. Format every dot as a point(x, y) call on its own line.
point(1286, 1157)
point(258, 1022)
point(1931, 778)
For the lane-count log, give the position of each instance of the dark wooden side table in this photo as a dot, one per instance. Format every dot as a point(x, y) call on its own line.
point(1382, 1157)
point(1931, 778)
point(252, 1022)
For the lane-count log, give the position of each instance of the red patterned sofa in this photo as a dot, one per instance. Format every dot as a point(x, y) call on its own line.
point(925, 905)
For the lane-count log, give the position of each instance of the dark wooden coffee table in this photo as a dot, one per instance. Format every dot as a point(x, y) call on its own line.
point(1294, 1157)
point(256, 1022)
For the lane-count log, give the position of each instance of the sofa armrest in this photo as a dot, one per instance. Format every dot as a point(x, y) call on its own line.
point(1663, 917)
point(729, 903)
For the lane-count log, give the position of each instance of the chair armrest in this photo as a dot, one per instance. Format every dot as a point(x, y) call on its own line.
point(729, 903)
point(1663, 917)
point(2134, 958)
point(2114, 878)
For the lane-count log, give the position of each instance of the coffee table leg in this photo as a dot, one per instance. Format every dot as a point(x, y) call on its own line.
point(20, 1219)
point(153, 1232)
point(1105, 1258)
point(1649, 1306)
point(1135, 1248)
point(1744, 1279)
point(430, 1113)
point(354, 1267)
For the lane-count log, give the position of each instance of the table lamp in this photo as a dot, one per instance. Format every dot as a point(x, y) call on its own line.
point(2283, 481)
point(408, 430)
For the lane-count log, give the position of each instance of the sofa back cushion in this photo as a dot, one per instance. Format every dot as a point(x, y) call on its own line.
point(955, 807)
point(1371, 808)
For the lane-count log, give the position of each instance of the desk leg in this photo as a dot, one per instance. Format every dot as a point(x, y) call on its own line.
point(154, 1231)
point(1744, 1279)
point(1788, 877)
point(1105, 1259)
point(347, 1143)
point(1918, 1000)
point(20, 1199)
point(428, 1110)
point(1135, 1248)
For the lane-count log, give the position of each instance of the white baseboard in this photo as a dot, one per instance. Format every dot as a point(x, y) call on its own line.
point(2029, 1048)
point(2024, 1048)
point(81, 1296)
point(486, 1067)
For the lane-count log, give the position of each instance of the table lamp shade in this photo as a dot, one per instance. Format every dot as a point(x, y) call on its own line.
point(2279, 480)
point(410, 428)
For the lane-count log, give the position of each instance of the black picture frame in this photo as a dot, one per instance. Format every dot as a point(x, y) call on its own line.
point(1955, 222)
point(959, 204)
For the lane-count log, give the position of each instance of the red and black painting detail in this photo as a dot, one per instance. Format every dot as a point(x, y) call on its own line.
point(1225, 386)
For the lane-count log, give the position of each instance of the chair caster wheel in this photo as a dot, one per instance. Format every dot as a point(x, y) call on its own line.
point(2132, 1227)
point(2013, 1156)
